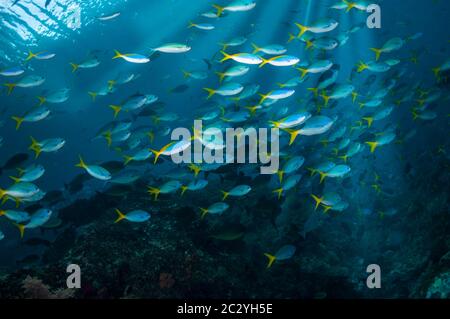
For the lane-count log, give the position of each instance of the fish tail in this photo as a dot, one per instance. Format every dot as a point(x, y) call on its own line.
point(361, 66)
point(157, 155)
point(354, 96)
point(111, 84)
point(377, 53)
point(120, 216)
point(183, 190)
point(280, 176)
point(256, 48)
point(116, 109)
point(278, 191)
point(19, 121)
point(41, 99)
point(204, 211)
point(35, 147)
point(107, 136)
point(211, 92)
point(318, 200)
point(117, 54)
point(373, 146)
point(191, 24)
point(221, 76)
point(226, 56)
point(312, 170)
point(436, 72)
point(326, 208)
point(21, 229)
point(263, 97)
point(154, 191)
point(11, 87)
point(186, 74)
point(302, 30)
point(2, 194)
point(20, 170)
point(225, 195)
point(15, 179)
point(369, 121)
point(93, 95)
point(291, 38)
point(344, 158)
point(326, 98)
point(309, 45)
point(81, 164)
point(281, 85)
point(219, 9)
point(264, 62)
point(322, 176)
point(30, 56)
point(315, 91)
point(293, 136)
point(303, 71)
point(350, 5)
point(414, 114)
point(271, 260)
point(127, 159)
point(74, 67)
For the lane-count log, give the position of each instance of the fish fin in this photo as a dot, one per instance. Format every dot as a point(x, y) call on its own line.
point(317, 200)
point(120, 216)
point(186, 74)
point(226, 56)
point(291, 38)
point(11, 87)
point(280, 176)
point(278, 191)
point(183, 190)
point(322, 176)
point(21, 229)
point(221, 76)
point(81, 164)
point(225, 195)
point(41, 99)
point(373, 146)
point(436, 72)
point(219, 9)
point(271, 260)
point(315, 91)
point(256, 48)
point(302, 30)
point(211, 92)
point(377, 53)
point(74, 67)
point(303, 71)
point(19, 121)
point(369, 121)
point(35, 147)
point(204, 211)
point(293, 135)
point(117, 55)
point(15, 179)
point(127, 159)
point(191, 24)
point(116, 109)
point(93, 95)
point(30, 56)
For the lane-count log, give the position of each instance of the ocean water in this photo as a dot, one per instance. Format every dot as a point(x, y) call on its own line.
point(310, 230)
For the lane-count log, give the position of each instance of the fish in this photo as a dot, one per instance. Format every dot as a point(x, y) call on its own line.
point(135, 216)
point(284, 253)
point(131, 57)
point(95, 171)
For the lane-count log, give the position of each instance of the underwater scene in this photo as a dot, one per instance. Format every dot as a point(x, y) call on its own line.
point(256, 149)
